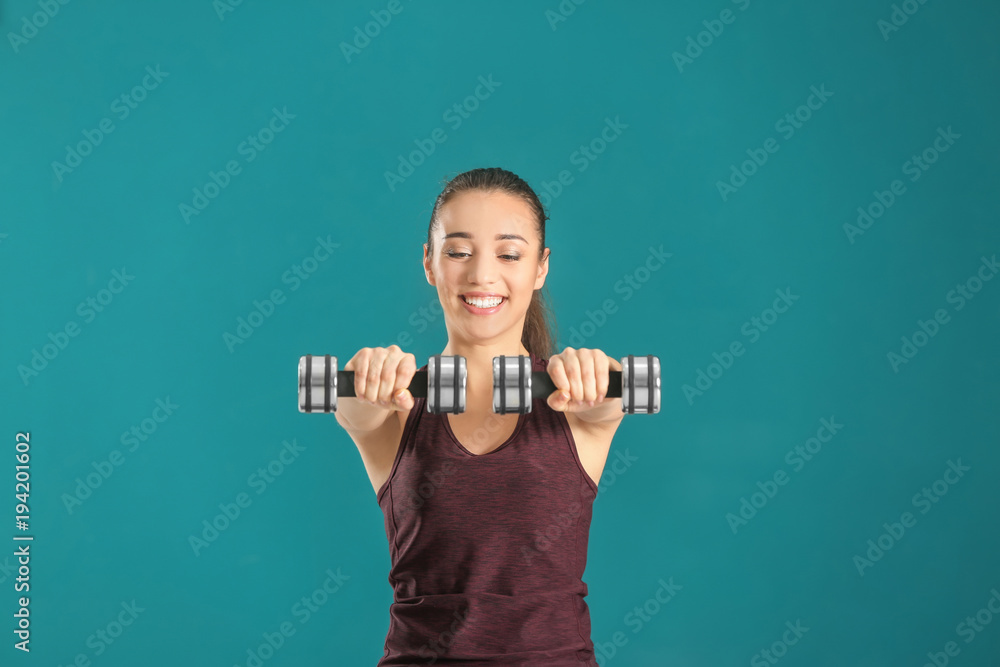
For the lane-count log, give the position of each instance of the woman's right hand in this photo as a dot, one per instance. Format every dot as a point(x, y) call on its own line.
point(381, 377)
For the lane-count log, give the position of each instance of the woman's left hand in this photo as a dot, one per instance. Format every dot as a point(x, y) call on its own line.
point(581, 380)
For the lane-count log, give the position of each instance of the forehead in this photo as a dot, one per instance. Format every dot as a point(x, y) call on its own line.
point(483, 215)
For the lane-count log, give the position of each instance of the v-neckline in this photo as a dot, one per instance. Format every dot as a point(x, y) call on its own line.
point(517, 429)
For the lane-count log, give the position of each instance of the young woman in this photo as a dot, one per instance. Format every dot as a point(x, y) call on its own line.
point(487, 515)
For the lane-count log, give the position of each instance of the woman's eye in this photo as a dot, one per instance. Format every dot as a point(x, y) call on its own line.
point(465, 254)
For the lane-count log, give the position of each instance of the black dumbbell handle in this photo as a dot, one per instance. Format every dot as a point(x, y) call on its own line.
point(542, 385)
point(345, 384)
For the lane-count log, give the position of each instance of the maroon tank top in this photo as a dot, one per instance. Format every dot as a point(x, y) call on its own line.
point(488, 551)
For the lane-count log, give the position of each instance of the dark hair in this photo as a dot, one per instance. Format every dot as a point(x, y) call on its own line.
point(537, 335)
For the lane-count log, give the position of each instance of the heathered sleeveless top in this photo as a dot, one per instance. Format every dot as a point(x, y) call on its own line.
point(488, 551)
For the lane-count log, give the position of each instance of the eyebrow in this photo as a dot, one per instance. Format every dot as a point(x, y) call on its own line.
point(499, 237)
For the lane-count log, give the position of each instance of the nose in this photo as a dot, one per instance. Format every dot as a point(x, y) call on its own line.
point(482, 270)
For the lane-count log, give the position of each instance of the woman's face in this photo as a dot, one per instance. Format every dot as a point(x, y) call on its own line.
point(486, 246)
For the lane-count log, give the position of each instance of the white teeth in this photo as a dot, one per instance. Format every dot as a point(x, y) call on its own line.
point(483, 302)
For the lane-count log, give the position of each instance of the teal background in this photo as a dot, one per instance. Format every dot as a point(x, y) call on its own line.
point(323, 176)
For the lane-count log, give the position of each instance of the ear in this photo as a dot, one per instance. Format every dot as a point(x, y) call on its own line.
point(427, 268)
point(543, 270)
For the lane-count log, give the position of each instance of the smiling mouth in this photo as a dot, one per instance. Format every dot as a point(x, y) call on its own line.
point(483, 303)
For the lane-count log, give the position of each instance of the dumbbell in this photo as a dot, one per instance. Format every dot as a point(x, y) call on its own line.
point(515, 385)
point(442, 384)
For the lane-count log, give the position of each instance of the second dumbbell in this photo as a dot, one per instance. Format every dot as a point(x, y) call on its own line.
point(515, 385)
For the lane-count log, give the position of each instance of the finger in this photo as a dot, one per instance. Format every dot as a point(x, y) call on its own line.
point(557, 372)
point(373, 375)
point(387, 379)
point(359, 364)
point(601, 375)
point(588, 376)
point(575, 375)
point(405, 371)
